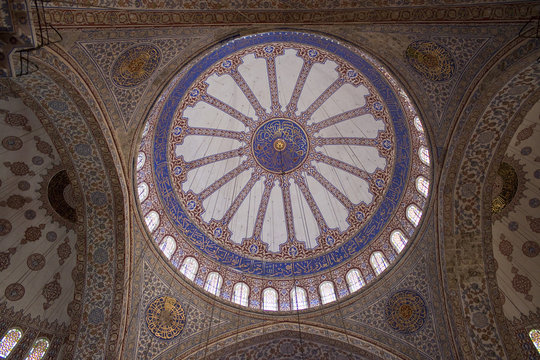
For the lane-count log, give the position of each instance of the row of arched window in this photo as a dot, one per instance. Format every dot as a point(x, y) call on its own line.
point(12, 337)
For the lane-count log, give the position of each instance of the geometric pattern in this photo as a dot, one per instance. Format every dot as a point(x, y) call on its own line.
point(406, 311)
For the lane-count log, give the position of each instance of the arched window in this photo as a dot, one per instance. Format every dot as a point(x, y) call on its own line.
point(298, 298)
point(142, 191)
point(414, 214)
point(422, 185)
point(398, 240)
point(152, 220)
point(378, 262)
point(270, 299)
point(141, 158)
point(241, 294)
point(354, 280)
point(9, 341)
point(327, 292)
point(534, 334)
point(38, 350)
point(189, 268)
point(213, 283)
point(418, 124)
point(168, 246)
point(423, 152)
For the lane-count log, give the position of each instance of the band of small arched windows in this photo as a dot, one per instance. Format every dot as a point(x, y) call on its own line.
point(12, 337)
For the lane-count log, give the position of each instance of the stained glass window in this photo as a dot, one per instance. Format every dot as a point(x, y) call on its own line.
point(422, 185)
point(535, 337)
point(213, 283)
point(378, 262)
point(152, 220)
point(398, 240)
point(38, 350)
point(168, 246)
point(142, 191)
point(298, 298)
point(241, 294)
point(141, 158)
point(270, 299)
point(414, 214)
point(423, 152)
point(418, 124)
point(327, 292)
point(189, 267)
point(9, 341)
point(354, 280)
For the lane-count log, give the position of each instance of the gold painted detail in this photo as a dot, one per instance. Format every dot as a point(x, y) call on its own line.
point(507, 180)
point(165, 317)
point(280, 145)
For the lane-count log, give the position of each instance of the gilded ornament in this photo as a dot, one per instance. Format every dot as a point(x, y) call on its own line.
point(431, 60)
point(165, 317)
point(135, 65)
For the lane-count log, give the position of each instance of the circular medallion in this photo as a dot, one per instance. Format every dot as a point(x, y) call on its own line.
point(14, 292)
point(135, 65)
point(165, 317)
point(406, 311)
point(35, 262)
point(431, 60)
point(280, 145)
point(12, 143)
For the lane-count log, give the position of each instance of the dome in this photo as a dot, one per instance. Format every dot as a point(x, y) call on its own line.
point(283, 164)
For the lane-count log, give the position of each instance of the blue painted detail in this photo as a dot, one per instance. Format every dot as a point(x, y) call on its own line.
point(177, 130)
point(177, 170)
point(330, 240)
point(253, 249)
point(314, 265)
point(378, 106)
point(218, 232)
point(290, 135)
point(387, 144)
point(293, 251)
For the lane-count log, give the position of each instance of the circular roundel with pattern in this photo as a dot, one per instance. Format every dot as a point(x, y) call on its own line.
point(430, 59)
point(406, 311)
point(281, 155)
point(165, 317)
point(135, 65)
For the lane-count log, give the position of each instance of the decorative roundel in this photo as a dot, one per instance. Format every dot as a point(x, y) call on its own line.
point(135, 65)
point(281, 156)
point(14, 292)
point(406, 311)
point(431, 60)
point(165, 317)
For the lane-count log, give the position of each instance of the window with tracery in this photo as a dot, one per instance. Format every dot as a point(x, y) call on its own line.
point(422, 185)
point(168, 246)
point(398, 240)
point(327, 291)
point(9, 341)
point(298, 298)
point(418, 124)
point(152, 220)
point(189, 267)
point(414, 214)
point(241, 294)
point(354, 280)
point(142, 191)
point(534, 334)
point(38, 350)
point(213, 283)
point(378, 262)
point(270, 299)
point(423, 152)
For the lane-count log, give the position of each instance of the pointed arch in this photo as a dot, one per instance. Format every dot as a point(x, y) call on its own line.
point(213, 283)
point(398, 240)
point(9, 341)
point(189, 267)
point(354, 280)
point(38, 350)
point(298, 298)
point(328, 294)
point(168, 246)
point(270, 299)
point(378, 262)
point(241, 294)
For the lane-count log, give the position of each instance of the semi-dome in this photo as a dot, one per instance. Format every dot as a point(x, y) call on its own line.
point(283, 170)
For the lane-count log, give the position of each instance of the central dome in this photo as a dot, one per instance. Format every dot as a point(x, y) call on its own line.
point(278, 157)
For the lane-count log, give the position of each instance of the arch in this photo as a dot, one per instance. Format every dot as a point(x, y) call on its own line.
point(418, 124)
point(398, 240)
point(38, 350)
point(378, 262)
point(152, 220)
point(9, 341)
point(328, 294)
point(168, 246)
point(414, 214)
point(142, 191)
point(189, 267)
point(298, 298)
point(354, 280)
point(213, 283)
point(423, 153)
point(422, 185)
point(270, 299)
point(241, 294)
point(141, 159)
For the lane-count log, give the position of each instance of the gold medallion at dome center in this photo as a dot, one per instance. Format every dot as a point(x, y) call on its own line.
point(280, 144)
